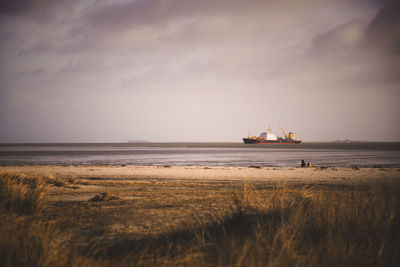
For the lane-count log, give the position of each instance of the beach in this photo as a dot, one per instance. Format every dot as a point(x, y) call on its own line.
point(267, 174)
point(299, 175)
point(98, 176)
point(177, 215)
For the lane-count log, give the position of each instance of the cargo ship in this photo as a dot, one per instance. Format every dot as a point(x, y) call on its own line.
point(269, 138)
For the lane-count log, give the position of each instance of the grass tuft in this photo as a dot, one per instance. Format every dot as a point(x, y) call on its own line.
point(103, 196)
point(20, 193)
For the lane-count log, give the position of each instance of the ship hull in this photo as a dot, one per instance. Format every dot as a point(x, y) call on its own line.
point(255, 141)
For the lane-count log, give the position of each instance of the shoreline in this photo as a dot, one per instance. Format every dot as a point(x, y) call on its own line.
point(385, 145)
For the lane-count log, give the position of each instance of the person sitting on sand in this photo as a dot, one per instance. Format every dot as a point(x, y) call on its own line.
point(308, 164)
point(303, 163)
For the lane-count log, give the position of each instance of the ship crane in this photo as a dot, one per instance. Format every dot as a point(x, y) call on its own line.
point(286, 137)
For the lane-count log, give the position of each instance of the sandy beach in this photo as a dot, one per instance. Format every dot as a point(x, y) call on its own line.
point(121, 180)
point(267, 174)
point(105, 215)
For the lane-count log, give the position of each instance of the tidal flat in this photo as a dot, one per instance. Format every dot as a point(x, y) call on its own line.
point(198, 216)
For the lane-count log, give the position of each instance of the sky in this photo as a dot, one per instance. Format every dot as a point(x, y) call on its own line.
point(198, 71)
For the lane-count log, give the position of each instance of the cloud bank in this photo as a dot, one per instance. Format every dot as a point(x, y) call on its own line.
point(178, 70)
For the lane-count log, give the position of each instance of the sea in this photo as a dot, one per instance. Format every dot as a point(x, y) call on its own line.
point(363, 154)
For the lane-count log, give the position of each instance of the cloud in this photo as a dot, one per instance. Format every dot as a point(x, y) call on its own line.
point(384, 30)
point(342, 39)
point(16, 7)
point(36, 11)
point(150, 12)
point(379, 33)
point(360, 53)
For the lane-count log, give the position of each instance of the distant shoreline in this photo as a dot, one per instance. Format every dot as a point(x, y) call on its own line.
point(304, 145)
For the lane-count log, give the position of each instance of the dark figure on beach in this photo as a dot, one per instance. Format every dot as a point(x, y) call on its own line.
point(308, 164)
point(303, 163)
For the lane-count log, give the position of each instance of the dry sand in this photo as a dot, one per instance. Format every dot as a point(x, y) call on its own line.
point(127, 181)
point(267, 174)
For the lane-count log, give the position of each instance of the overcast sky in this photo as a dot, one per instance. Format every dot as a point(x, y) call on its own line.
point(191, 70)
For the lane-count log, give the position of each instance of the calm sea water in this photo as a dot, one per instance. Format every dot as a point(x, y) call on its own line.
point(202, 154)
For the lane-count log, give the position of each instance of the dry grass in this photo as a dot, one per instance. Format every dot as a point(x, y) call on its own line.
point(20, 193)
point(103, 196)
point(172, 223)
